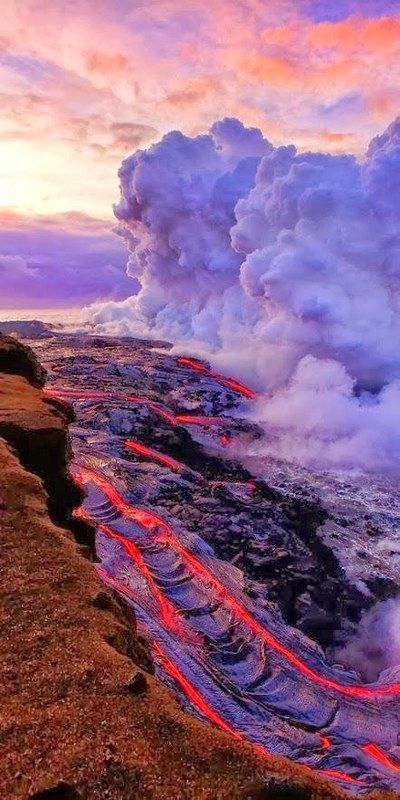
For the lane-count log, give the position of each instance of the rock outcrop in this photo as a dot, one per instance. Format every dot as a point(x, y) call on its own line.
point(18, 359)
point(28, 328)
point(37, 429)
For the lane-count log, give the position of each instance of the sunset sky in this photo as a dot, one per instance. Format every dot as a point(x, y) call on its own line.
point(86, 82)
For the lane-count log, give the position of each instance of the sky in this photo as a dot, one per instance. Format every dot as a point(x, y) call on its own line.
point(84, 83)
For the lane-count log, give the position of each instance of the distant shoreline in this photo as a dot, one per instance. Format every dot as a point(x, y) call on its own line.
point(55, 315)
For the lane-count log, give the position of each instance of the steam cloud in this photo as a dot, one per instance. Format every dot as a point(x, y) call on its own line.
point(375, 646)
point(283, 268)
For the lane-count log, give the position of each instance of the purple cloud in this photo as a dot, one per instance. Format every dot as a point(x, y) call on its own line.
point(331, 12)
point(61, 261)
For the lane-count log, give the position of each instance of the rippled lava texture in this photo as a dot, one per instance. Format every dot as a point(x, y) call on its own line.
point(74, 722)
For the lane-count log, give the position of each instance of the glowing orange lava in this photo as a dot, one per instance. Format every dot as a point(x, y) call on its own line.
point(187, 687)
point(196, 419)
point(148, 452)
point(166, 534)
point(198, 366)
point(169, 615)
point(375, 752)
point(172, 621)
point(198, 701)
point(86, 394)
point(325, 742)
point(341, 776)
point(168, 416)
point(194, 696)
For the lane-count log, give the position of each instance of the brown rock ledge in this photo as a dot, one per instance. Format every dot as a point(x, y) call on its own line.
point(37, 429)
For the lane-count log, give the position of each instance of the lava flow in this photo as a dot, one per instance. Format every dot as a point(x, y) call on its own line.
point(165, 533)
point(192, 693)
point(168, 613)
point(148, 452)
point(231, 383)
point(198, 701)
point(200, 419)
point(233, 658)
point(375, 752)
point(89, 394)
point(168, 416)
point(168, 566)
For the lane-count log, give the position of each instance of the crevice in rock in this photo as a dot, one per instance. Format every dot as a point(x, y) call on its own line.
point(62, 791)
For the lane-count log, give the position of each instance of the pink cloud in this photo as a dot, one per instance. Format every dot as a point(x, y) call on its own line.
point(96, 80)
point(59, 260)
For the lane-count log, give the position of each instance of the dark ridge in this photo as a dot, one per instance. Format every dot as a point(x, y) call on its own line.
point(18, 359)
point(63, 791)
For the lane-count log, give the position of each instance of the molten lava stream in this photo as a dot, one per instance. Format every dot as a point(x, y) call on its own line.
point(168, 613)
point(168, 416)
point(231, 383)
point(198, 701)
point(196, 698)
point(337, 775)
point(325, 742)
point(378, 755)
point(87, 394)
point(154, 455)
point(198, 419)
point(173, 670)
point(193, 695)
point(164, 533)
point(203, 572)
point(172, 621)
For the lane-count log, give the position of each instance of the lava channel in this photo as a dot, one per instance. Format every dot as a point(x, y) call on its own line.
point(174, 420)
point(169, 620)
point(231, 383)
point(153, 522)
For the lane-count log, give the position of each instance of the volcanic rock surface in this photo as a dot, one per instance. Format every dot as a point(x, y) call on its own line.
point(82, 717)
point(218, 565)
point(315, 546)
point(67, 722)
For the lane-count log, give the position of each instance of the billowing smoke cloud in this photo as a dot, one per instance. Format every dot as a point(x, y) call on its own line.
point(321, 236)
point(284, 269)
point(375, 646)
point(318, 419)
point(176, 211)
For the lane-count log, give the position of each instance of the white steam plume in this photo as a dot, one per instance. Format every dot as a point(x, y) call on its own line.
point(282, 268)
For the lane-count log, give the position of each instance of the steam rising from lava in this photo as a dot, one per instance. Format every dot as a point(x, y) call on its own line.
point(282, 268)
point(376, 644)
